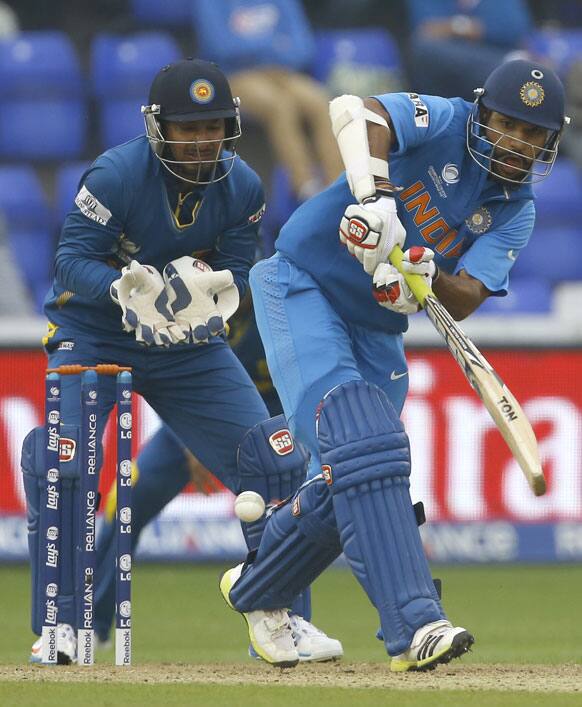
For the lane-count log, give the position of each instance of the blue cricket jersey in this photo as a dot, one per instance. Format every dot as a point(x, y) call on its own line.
point(125, 210)
point(447, 203)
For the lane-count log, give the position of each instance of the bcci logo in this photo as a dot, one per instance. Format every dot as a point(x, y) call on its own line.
point(201, 91)
point(532, 94)
point(93, 395)
point(480, 221)
point(55, 391)
point(126, 394)
point(125, 420)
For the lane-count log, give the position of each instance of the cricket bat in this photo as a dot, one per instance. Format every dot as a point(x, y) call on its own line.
point(495, 395)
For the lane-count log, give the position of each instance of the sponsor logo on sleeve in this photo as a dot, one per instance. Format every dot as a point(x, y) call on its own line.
point(92, 208)
point(421, 117)
point(258, 215)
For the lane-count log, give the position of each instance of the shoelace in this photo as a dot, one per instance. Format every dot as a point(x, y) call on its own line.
point(300, 625)
point(277, 625)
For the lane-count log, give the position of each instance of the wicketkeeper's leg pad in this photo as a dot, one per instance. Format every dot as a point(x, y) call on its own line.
point(300, 540)
point(365, 458)
point(34, 480)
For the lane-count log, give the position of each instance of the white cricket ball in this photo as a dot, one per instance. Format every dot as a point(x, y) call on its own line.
point(249, 506)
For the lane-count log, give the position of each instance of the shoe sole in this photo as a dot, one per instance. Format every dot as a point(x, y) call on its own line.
point(225, 588)
point(323, 659)
point(461, 644)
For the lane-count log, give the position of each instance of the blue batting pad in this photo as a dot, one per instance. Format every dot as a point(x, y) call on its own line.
point(272, 464)
point(365, 458)
point(299, 541)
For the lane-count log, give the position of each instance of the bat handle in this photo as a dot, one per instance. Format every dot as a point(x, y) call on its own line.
point(417, 283)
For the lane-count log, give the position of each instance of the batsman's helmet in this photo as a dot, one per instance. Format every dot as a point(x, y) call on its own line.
point(186, 91)
point(526, 91)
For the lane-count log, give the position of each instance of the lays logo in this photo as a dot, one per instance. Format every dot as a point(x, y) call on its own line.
point(67, 449)
point(281, 442)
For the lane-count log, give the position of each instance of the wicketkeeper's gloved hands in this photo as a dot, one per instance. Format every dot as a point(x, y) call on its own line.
point(390, 289)
point(143, 299)
point(200, 298)
point(371, 230)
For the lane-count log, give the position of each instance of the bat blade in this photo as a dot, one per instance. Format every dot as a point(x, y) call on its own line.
point(499, 401)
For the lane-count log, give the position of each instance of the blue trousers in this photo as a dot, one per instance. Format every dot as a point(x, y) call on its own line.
point(310, 349)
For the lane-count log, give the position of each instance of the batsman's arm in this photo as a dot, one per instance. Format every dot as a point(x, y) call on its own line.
point(460, 294)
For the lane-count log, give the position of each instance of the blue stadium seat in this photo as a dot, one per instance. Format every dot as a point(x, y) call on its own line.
point(553, 254)
point(33, 253)
point(168, 14)
point(559, 197)
point(35, 64)
point(123, 66)
point(557, 47)
point(22, 199)
point(363, 61)
point(120, 121)
point(281, 203)
point(526, 296)
point(66, 188)
point(37, 129)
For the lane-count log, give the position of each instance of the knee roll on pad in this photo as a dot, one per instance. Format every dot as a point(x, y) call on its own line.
point(271, 463)
point(300, 540)
point(365, 458)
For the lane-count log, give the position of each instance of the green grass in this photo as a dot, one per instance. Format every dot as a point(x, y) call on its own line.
point(518, 615)
point(243, 695)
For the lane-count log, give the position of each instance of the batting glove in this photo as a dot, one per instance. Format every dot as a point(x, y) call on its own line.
point(371, 230)
point(201, 299)
point(141, 294)
point(390, 289)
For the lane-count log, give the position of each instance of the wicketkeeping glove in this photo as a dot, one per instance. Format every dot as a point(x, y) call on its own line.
point(390, 289)
point(200, 298)
point(371, 230)
point(143, 299)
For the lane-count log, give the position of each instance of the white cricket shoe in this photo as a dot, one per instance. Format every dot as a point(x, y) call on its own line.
point(269, 631)
point(312, 644)
point(434, 643)
point(66, 646)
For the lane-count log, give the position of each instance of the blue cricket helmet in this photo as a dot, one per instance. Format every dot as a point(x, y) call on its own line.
point(186, 91)
point(528, 91)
